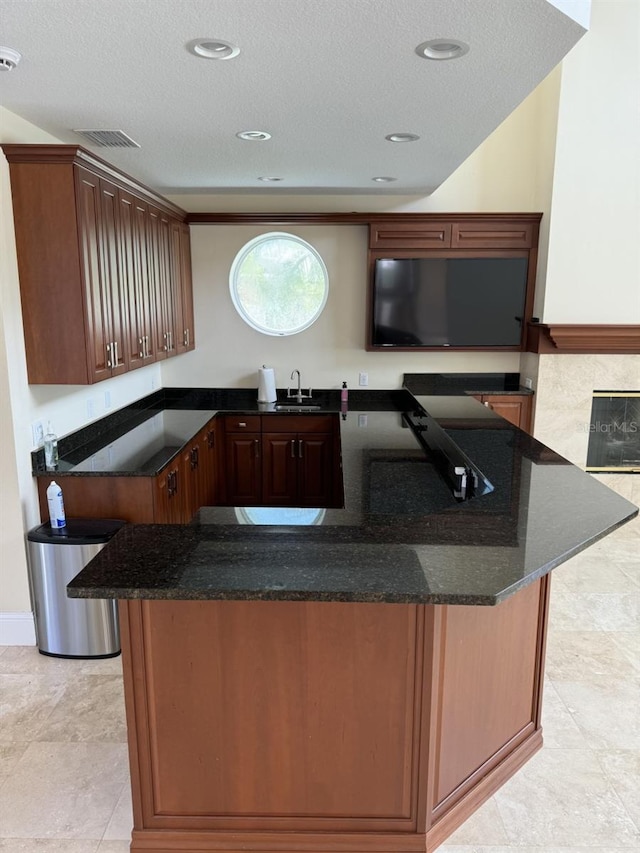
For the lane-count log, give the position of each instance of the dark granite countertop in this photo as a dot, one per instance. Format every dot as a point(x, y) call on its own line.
point(464, 383)
point(401, 536)
point(141, 439)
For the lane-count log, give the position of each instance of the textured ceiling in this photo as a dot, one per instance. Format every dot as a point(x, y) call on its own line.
point(328, 79)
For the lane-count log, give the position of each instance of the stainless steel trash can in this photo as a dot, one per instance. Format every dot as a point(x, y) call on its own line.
point(71, 627)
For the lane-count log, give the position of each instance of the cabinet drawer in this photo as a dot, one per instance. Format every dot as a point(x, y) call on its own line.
point(297, 423)
point(242, 423)
point(492, 235)
point(398, 235)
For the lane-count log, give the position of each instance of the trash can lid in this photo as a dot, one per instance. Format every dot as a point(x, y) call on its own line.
point(78, 531)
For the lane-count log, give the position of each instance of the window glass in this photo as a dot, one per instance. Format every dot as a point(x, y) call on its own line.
point(279, 284)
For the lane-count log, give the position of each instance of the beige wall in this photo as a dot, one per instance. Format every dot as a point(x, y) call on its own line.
point(594, 257)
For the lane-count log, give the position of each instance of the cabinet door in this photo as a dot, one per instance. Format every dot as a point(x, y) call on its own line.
point(167, 508)
point(209, 465)
point(173, 288)
point(513, 408)
point(113, 279)
point(280, 469)
point(408, 235)
point(243, 469)
point(200, 471)
point(133, 344)
point(133, 267)
point(98, 329)
point(185, 337)
point(315, 470)
point(160, 280)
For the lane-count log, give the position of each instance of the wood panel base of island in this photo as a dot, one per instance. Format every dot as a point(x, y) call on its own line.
point(273, 726)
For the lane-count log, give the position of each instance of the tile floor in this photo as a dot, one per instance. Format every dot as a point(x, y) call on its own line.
point(63, 764)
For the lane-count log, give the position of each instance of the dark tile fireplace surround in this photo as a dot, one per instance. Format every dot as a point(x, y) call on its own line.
point(614, 433)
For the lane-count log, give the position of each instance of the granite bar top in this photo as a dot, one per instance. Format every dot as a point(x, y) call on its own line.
point(464, 383)
point(401, 535)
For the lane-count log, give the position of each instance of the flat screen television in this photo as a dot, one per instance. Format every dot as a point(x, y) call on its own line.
point(449, 302)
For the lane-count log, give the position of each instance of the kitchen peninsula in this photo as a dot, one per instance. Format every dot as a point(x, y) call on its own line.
point(337, 679)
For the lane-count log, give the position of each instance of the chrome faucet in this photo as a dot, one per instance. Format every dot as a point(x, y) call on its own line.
point(299, 396)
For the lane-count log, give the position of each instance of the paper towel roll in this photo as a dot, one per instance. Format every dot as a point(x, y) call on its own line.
point(267, 385)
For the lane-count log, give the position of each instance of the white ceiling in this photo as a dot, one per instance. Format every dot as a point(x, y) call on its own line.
point(328, 79)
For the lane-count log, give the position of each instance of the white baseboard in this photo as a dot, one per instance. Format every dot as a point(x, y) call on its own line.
point(17, 629)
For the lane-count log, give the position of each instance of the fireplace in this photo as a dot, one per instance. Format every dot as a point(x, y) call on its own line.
point(614, 432)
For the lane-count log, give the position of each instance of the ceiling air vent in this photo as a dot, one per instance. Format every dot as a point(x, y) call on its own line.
point(108, 138)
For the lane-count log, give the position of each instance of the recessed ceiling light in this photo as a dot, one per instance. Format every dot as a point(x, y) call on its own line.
point(402, 137)
point(382, 179)
point(442, 49)
point(254, 135)
point(269, 179)
point(210, 48)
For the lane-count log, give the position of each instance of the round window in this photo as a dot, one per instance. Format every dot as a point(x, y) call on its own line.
point(279, 284)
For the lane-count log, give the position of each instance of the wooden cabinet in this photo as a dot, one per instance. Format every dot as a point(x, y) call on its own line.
point(297, 469)
point(362, 726)
point(243, 452)
point(104, 267)
point(414, 231)
point(410, 235)
point(281, 460)
point(173, 496)
point(503, 247)
point(514, 408)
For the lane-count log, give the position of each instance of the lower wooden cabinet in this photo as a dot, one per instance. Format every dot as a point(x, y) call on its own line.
point(243, 469)
point(292, 461)
point(297, 470)
point(326, 726)
point(514, 408)
point(173, 496)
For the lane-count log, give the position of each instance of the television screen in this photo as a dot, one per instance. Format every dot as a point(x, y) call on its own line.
point(456, 302)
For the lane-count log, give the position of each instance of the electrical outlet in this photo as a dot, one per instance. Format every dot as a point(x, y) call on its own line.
point(91, 407)
point(363, 380)
point(107, 399)
point(528, 383)
point(362, 420)
point(37, 433)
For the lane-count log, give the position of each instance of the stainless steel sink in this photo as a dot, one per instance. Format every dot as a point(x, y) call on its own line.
point(296, 407)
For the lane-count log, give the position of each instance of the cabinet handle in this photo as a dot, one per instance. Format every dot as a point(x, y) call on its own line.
point(300, 443)
point(172, 483)
point(145, 346)
point(166, 342)
point(242, 424)
point(256, 447)
point(117, 356)
point(141, 344)
point(194, 458)
point(211, 438)
point(293, 448)
point(109, 356)
point(170, 339)
point(186, 337)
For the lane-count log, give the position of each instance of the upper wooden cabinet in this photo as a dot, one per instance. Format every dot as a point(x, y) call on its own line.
point(407, 235)
point(104, 265)
point(415, 231)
